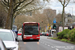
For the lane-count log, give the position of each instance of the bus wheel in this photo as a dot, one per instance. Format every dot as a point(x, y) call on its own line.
point(23, 40)
point(37, 40)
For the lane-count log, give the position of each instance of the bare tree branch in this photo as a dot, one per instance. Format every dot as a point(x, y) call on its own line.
point(61, 2)
point(27, 11)
point(67, 3)
point(5, 1)
point(25, 5)
point(19, 2)
point(4, 5)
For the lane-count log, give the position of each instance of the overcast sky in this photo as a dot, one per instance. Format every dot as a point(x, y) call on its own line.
point(54, 4)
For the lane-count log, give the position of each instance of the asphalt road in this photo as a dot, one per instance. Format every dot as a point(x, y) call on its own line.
point(45, 44)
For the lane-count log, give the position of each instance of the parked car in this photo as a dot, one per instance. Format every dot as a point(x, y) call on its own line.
point(40, 34)
point(49, 33)
point(46, 33)
point(43, 33)
point(2, 45)
point(9, 39)
point(19, 35)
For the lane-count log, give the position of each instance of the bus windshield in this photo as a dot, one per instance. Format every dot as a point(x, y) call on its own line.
point(31, 30)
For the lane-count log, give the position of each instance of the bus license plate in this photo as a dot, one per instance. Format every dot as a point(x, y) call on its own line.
point(31, 38)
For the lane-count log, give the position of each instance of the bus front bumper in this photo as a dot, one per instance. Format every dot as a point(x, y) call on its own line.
point(31, 38)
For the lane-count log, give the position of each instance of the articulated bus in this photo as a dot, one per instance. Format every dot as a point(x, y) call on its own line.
point(30, 31)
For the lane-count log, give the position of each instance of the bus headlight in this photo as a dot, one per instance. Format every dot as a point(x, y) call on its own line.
point(24, 36)
point(38, 37)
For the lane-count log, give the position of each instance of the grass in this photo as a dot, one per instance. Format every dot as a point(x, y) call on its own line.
point(63, 40)
point(0, 27)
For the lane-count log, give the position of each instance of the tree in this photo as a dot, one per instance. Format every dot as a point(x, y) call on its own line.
point(41, 18)
point(14, 7)
point(50, 14)
point(36, 17)
point(3, 15)
point(64, 4)
point(59, 19)
point(20, 19)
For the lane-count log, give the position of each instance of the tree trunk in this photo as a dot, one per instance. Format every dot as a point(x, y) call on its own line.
point(12, 14)
point(63, 16)
point(9, 19)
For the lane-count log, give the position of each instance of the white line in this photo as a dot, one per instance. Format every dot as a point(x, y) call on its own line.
point(48, 45)
point(45, 44)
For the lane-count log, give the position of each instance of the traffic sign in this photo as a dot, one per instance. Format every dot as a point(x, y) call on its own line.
point(54, 21)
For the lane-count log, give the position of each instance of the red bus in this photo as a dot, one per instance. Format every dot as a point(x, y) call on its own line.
point(30, 31)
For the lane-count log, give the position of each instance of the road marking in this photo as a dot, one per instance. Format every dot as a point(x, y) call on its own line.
point(57, 49)
point(48, 45)
point(24, 42)
point(38, 43)
point(45, 44)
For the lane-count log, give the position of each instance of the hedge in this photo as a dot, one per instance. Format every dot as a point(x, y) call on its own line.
point(63, 34)
point(71, 35)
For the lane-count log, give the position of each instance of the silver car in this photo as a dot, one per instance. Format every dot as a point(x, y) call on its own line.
point(2, 46)
point(9, 39)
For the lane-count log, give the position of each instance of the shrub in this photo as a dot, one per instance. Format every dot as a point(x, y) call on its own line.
point(59, 35)
point(65, 40)
point(73, 29)
point(71, 35)
point(63, 34)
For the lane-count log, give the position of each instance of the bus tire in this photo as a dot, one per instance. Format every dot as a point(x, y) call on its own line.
point(23, 40)
point(37, 40)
